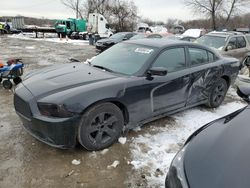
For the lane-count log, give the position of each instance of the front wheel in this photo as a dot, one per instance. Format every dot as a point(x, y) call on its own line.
point(7, 84)
point(100, 126)
point(217, 93)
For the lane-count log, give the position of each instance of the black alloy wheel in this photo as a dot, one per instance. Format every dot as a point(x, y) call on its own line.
point(100, 126)
point(218, 93)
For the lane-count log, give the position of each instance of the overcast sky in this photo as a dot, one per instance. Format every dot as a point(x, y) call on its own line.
point(153, 9)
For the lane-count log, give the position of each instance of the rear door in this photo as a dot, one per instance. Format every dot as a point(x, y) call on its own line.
point(204, 70)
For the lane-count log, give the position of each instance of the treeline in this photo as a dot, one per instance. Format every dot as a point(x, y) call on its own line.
point(235, 22)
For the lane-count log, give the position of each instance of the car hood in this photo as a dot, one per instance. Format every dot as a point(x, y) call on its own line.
point(63, 77)
point(108, 41)
point(218, 156)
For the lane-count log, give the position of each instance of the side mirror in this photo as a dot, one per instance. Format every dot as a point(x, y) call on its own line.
point(229, 47)
point(244, 93)
point(157, 71)
point(125, 38)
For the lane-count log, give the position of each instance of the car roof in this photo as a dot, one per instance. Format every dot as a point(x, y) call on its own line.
point(162, 42)
point(224, 34)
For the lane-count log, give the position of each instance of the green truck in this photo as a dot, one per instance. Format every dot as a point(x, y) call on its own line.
point(80, 28)
point(72, 28)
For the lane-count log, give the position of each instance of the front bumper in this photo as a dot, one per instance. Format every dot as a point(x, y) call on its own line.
point(56, 132)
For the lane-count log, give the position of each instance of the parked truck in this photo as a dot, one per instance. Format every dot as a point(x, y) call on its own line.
point(81, 28)
point(97, 24)
point(71, 27)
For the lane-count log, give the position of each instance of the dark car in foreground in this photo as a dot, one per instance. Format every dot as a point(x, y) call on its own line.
point(131, 83)
point(217, 155)
point(104, 44)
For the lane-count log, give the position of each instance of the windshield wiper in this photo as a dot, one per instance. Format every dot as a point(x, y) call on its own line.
point(103, 68)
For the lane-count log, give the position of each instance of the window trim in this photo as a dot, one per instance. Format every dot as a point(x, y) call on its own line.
point(169, 48)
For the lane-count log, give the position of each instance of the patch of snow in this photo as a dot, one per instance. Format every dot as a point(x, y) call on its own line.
point(155, 151)
point(44, 63)
point(193, 33)
point(114, 165)
point(122, 140)
point(30, 47)
point(76, 162)
point(103, 152)
point(30, 36)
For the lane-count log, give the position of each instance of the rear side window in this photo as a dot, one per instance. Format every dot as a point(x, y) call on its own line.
point(241, 42)
point(198, 56)
point(172, 59)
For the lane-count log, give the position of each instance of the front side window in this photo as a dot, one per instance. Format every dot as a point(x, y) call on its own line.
point(241, 42)
point(198, 56)
point(172, 59)
point(233, 43)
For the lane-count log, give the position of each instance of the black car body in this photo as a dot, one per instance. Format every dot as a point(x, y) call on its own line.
point(217, 155)
point(104, 44)
point(128, 81)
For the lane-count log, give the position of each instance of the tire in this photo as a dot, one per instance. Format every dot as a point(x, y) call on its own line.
point(7, 84)
point(1, 80)
point(17, 80)
point(100, 126)
point(217, 93)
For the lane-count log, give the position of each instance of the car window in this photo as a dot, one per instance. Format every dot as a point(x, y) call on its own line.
point(124, 58)
point(217, 42)
point(198, 56)
point(171, 59)
point(233, 43)
point(248, 38)
point(211, 57)
point(241, 42)
point(128, 36)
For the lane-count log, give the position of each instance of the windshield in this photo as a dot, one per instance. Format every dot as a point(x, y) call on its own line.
point(217, 42)
point(117, 36)
point(124, 58)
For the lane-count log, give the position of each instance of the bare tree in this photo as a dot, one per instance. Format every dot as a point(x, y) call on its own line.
point(216, 8)
point(75, 5)
point(124, 15)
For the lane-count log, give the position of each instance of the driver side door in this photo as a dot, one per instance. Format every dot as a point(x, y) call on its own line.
point(169, 92)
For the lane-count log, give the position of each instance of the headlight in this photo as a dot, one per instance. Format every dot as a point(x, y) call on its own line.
point(54, 110)
point(176, 176)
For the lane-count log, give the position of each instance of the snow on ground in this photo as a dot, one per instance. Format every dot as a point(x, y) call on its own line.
point(154, 152)
point(31, 36)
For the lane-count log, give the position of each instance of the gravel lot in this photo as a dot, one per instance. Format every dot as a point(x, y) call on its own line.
point(26, 162)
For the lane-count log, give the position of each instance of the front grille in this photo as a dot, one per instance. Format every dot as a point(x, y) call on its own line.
point(22, 107)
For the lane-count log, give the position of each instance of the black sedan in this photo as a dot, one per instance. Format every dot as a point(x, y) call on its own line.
point(132, 83)
point(104, 44)
point(217, 155)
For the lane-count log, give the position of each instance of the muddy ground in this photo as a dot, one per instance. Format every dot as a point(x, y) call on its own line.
point(26, 162)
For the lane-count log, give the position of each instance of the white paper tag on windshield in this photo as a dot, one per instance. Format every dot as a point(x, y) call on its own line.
point(144, 50)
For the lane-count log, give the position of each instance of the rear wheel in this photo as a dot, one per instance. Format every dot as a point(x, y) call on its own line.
point(217, 93)
point(7, 84)
point(100, 126)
